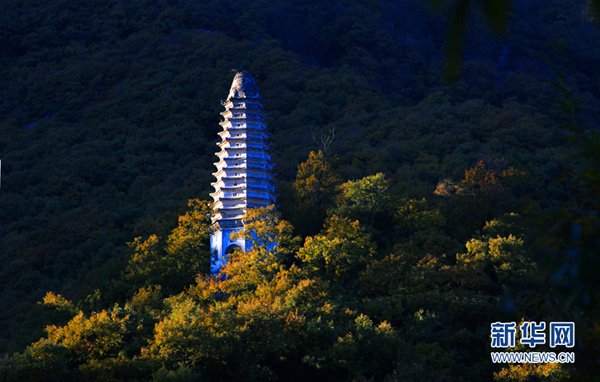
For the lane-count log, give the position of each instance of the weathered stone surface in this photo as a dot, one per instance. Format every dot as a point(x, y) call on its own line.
point(243, 86)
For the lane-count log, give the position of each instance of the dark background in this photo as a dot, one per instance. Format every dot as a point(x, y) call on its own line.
point(109, 116)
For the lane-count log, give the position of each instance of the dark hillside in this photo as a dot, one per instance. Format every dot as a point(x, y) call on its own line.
point(109, 116)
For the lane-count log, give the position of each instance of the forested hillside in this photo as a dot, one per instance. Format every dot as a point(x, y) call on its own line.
point(439, 207)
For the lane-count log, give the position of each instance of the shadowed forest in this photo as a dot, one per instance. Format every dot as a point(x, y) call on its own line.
point(415, 209)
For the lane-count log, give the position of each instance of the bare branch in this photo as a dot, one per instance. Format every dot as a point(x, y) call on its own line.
point(324, 142)
point(327, 140)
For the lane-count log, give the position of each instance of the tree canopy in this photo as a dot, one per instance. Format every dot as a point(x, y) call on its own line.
point(442, 204)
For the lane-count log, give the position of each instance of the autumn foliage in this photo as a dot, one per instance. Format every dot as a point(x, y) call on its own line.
point(438, 206)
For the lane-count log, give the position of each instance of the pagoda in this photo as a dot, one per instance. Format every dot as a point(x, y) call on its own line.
point(244, 170)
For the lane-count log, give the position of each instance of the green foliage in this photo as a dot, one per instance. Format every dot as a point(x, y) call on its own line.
point(484, 193)
point(415, 215)
point(266, 231)
point(315, 186)
point(340, 251)
point(109, 118)
point(380, 342)
point(505, 225)
point(340, 314)
point(364, 199)
point(369, 201)
point(571, 237)
point(177, 263)
point(99, 336)
point(182, 374)
point(271, 245)
point(148, 300)
point(98, 347)
point(245, 336)
point(511, 263)
point(146, 261)
point(369, 193)
point(595, 5)
point(189, 239)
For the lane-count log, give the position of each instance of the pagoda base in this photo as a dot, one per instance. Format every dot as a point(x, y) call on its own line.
point(221, 245)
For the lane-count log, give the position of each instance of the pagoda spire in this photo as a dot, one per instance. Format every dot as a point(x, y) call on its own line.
point(244, 170)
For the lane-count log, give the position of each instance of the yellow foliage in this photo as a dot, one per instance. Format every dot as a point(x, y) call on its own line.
point(315, 181)
point(59, 302)
point(545, 372)
point(176, 263)
point(99, 336)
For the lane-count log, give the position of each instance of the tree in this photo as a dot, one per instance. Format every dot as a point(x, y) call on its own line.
point(573, 229)
point(416, 215)
point(102, 346)
point(190, 241)
point(340, 251)
point(315, 181)
point(267, 231)
point(177, 263)
point(496, 14)
point(505, 259)
point(271, 245)
point(484, 193)
point(365, 197)
point(314, 185)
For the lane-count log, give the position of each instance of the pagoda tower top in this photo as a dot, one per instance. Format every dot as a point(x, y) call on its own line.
point(243, 86)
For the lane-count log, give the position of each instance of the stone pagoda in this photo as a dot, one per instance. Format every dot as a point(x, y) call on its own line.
point(244, 170)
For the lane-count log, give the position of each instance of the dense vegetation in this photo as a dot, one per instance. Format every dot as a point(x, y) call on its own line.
point(438, 207)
